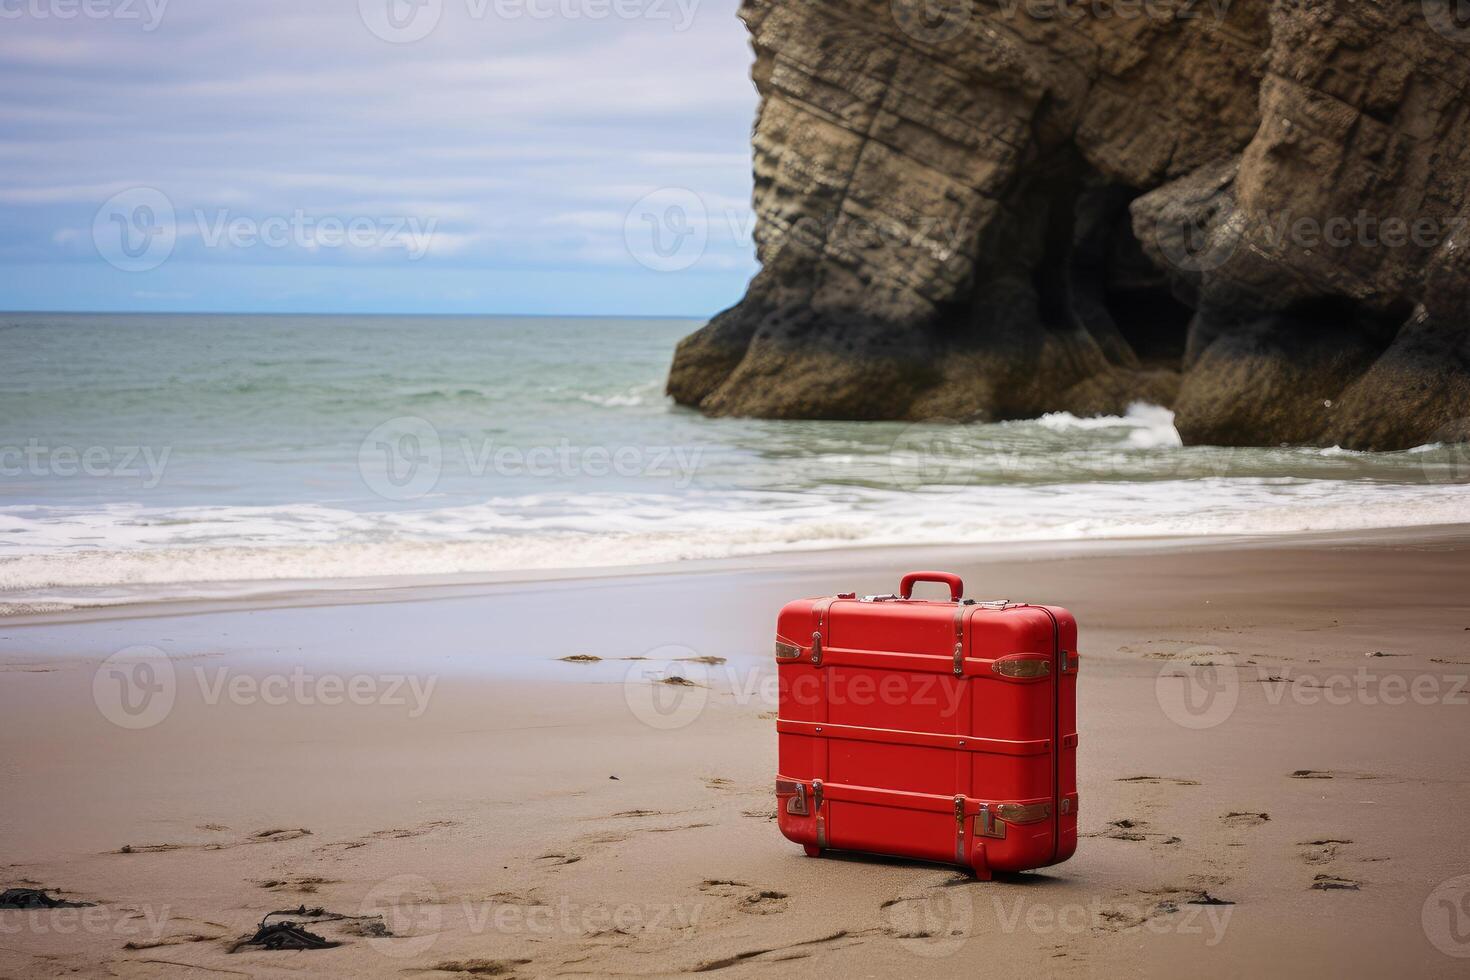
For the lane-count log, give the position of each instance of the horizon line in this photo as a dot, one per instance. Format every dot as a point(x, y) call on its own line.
point(561, 316)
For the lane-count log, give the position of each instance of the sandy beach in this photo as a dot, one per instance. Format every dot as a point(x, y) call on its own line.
point(1272, 769)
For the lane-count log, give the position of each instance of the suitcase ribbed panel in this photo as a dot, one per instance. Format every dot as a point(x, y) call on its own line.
point(899, 742)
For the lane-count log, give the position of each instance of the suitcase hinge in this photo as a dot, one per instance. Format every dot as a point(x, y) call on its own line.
point(959, 829)
point(817, 648)
point(959, 637)
point(817, 809)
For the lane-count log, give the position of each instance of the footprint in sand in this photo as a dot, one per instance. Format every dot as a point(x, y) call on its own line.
point(1330, 774)
point(478, 968)
point(1245, 818)
point(764, 902)
point(180, 940)
point(616, 838)
point(1332, 883)
point(776, 954)
point(1321, 851)
point(1129, 829)
point(717, 782)
point(395, 833)
point(1173, 649)
point(763, 814)
point(1133, 909)
point(259, 837)
point(306, 884)
point(1158, 780)
point(399, 833)
point(755, 901)
point(555, 860)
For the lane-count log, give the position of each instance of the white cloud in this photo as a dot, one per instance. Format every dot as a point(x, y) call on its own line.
point(525, 141)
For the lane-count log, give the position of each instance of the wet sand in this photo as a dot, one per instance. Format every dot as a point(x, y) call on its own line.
point(1280, 725)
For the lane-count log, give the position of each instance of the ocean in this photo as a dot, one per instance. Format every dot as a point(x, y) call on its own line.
point(148, 456)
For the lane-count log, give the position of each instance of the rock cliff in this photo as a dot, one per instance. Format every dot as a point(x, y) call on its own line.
point(1252, 211)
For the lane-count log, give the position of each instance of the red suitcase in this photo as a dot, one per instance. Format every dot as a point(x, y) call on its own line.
point(945, 731)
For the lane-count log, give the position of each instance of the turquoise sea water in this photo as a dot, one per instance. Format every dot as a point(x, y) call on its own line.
point(152, 454)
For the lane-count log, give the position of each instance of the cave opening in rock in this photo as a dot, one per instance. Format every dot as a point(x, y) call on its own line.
point(1148, 314)
point(1120, 291)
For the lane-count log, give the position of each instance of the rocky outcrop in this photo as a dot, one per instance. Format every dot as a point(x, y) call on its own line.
point(1249, 210)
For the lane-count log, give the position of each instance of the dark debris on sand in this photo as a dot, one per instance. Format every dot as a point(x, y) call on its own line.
point(289, 934)
point(36, 898)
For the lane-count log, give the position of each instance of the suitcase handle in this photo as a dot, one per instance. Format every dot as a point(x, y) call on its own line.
point(956, 587)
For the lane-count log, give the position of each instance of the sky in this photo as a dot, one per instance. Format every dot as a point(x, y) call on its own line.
point(375, 156)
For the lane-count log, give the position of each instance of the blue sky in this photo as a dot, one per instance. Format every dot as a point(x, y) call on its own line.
point(419, 156)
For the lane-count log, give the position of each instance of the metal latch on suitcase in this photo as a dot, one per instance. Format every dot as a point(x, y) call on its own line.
point(986, 824)
point(797, 804)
